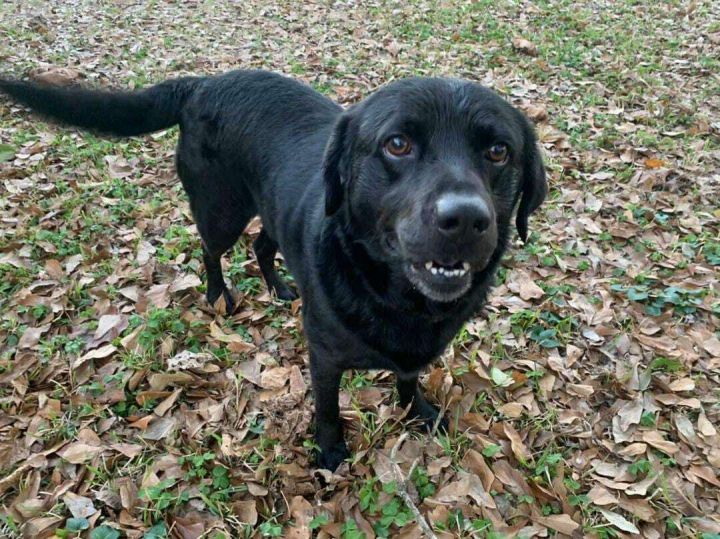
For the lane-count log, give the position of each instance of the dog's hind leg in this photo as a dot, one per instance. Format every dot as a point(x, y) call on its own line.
point(219, 233)
point(265, 249)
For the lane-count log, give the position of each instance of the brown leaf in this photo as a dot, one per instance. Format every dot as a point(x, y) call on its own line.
point(705, 427)
point(159, 429)
point(98, 353)
point(537, 113)
point(110, 326)
point(655, 439)
point(128, 493)
point(512, 410)
point(712, 346)
point(601, 496)
point(54, 269)
point(246, 511)
point(640, 488)
point(275, 378)
point(188, 280)
point(40, 526)
point(475, 462)
point(162, 408)
point(301, 510)
point(521, 283)
point(32, 336)
point(510, 477)
point(129, 450)
point(581, 390)
point(160, 381)
point(159, 295)
point(143, 422)
point(56, 76)
point(682, 384)
point(453, 492)
point(629, 414)
point(676, 495)
point(524, 46)
point(79, 452)
point(79, 506)
point(521, 452)
point(633, 450)
point(654, 163)
point(188, 528)
point(561, 523)
point(706, 473)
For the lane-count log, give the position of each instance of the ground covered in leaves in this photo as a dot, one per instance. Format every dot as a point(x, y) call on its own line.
point(584, 400)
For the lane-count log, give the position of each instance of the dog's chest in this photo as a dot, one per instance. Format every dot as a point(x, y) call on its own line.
point(402, 344)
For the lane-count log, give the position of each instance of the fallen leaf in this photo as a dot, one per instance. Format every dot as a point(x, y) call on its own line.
point(655, 439)
point(654, 163)
point(159, 428)
point(79, 452)
point(275, 378)
point(619, 521)
point(524, 46)
point(561, 523)
point(98, 353)
point(32, 336)
point(79, 506)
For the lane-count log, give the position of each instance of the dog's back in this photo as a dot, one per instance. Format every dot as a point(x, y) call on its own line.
point(240, 126)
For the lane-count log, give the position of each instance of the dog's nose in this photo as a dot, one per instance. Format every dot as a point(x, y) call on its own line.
point(459, 215)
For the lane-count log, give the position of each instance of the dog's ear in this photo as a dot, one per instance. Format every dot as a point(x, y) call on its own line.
point(534, 185)
point(336, 165)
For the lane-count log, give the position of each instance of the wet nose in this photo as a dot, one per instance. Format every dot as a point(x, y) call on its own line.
point(459, 215)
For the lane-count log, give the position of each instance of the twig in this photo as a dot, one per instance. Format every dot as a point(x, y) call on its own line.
point(401, 484)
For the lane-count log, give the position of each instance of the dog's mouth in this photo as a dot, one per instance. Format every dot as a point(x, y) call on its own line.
point(438, 281)
point(458, 269)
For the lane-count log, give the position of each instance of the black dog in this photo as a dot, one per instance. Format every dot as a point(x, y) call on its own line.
point(392, 216)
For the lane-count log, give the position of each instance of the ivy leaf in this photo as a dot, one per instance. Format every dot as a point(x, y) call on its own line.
point(158, 531)
point(77, 524)
point(104, 532)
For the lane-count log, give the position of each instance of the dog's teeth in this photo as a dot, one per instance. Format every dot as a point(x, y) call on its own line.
point(428, 265)
point(433, 270)
point(466, 266)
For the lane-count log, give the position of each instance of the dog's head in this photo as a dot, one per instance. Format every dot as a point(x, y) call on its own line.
point(427, 173)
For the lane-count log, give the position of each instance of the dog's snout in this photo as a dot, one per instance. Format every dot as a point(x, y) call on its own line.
point(460, 215)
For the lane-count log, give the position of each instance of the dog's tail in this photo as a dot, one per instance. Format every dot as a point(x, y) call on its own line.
point(109, 112)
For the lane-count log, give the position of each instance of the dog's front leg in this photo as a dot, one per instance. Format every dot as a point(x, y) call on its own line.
point(328, 427)
point(409, 393)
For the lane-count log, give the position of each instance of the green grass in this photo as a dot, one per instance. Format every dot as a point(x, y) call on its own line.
point(621, 85)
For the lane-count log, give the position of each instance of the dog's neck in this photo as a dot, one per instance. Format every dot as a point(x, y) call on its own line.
point(359, 288)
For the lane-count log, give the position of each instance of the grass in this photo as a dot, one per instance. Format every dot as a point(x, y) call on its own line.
point(622, 84)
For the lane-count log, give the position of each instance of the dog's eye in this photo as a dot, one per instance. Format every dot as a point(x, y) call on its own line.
point(498, 154)
point(398, 146)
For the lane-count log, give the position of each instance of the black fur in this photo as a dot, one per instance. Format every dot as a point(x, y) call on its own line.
point(356, 224)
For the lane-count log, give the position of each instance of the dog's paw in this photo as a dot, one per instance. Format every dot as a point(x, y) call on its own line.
point(285, 293)
point(428, 415)
point(332, 457)
point(222, 302)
